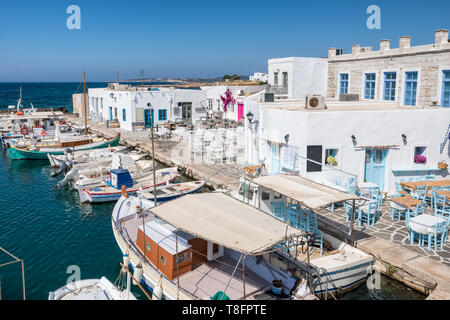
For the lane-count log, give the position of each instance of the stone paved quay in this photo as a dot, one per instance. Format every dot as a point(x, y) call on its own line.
point(387, 241)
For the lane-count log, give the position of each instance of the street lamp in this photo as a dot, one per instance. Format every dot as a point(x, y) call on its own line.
point(249, 116)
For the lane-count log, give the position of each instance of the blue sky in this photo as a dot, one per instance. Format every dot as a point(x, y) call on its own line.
point(193, 38)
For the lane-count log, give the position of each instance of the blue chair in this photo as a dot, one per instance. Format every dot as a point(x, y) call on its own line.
point(278, 210)
point(419, 209)
point(397, 212)
point(439, 236)
point(348, 211)
point(293, 212)
point(399, 189)
point(443, 212)
point(351, 185)
point(439, 201)
point(313, 227)
point(368, 214)
point(421, 193)
point(430, 196)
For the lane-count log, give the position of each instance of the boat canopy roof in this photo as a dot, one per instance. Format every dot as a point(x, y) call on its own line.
point(225, 221)
point(308, 193)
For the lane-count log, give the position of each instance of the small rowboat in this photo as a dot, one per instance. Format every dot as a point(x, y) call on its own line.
point(173, 191)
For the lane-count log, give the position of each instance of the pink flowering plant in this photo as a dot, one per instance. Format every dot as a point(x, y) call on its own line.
point(420, 159)
point(227, 99)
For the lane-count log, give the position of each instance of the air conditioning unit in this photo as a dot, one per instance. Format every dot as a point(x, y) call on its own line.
point(315, 102)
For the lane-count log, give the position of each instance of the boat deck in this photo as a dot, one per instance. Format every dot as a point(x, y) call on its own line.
point(208, 278)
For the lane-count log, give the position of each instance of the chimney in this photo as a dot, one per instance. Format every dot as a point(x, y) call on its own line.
point(356, 49)
point(405, 42)
point(384, 45)
point(331, 52)
point(440, 36)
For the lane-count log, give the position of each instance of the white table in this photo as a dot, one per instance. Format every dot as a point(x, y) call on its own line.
point(424, 223)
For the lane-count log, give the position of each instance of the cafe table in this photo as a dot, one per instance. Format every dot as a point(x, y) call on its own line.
point(412, 185)
point(424, 224)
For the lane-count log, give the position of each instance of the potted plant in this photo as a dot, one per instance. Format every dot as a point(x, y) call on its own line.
point(419, 159)
point(331, 161)
point(277, 287)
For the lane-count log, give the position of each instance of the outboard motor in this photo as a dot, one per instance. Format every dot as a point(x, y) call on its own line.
point(64, 168)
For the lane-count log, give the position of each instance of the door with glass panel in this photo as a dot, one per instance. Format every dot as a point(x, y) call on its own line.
point(446, 89)
point(375, 166)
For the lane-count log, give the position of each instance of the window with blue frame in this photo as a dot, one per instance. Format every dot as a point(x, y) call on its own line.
point(446, 89)
point(369, 88)
point(124, 114)
point(162, 114)
point(343, 83)
point(389, 85)
point(410, 88)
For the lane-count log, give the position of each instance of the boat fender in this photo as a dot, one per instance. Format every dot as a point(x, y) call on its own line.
point(43, 133)
point(137, 275)
point(157, 291)
point(123, 190)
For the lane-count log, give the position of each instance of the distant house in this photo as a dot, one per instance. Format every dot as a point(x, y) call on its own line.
point(259, 76)
point(132, 106)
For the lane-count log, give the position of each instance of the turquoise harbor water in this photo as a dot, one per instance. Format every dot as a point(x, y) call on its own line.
point(51, 231)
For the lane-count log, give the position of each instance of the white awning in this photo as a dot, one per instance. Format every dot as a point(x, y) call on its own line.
point(309, 193)
point(225, 221)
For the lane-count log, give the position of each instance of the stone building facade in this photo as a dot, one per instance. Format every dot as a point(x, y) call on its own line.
point(427, 64)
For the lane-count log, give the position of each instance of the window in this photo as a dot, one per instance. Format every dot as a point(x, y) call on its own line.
point(162, 114)
point(285, 79)
point(248, 191)
point(186, 110)
point(389, 85)
point(369, 88)
point(124, 114)
point(148, 246)
point(333, 154)
point(343, 83)
point(265, 195)
point(410, 88)
point(314, 153)
point(163, 260)
point(419, 154)
point(184, 256)
point(275, 78)
point(446, 89)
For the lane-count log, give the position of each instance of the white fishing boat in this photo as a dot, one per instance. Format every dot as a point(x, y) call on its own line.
point(172, 191)
point(111, 190)
point(205, 246)
point(91, 289)
point(84, 156)
point(340, 267)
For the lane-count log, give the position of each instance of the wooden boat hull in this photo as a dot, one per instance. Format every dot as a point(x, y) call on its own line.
point(21, 154)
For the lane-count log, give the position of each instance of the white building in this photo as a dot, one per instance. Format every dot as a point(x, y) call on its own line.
point(131, 106)
point(376, 139)
point(259, 76)
point(235, 111)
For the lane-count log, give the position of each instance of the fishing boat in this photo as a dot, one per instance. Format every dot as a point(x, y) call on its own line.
point(173, 191)
point(111, 190)
point(205, 246)
point(340, 267)
point(84, 156)
point(39, 152)
point(91, 289)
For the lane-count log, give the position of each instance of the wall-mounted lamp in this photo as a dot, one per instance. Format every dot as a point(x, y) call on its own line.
point(286, 138)
point(111, 95)
point(353, 139)
point(404, 138)
point(249, 117)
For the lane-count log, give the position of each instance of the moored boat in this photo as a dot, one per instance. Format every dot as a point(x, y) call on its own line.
point(337, 267)
point(111, 190)
point(205, 246)
point(40, 153)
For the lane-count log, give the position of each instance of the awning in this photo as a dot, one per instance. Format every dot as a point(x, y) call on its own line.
point(309, 193)
point(225, 221)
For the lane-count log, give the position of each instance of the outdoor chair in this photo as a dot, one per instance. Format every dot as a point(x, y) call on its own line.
point(278, 210)
point(439, 236)
point(293, 212)
point(421, 193)
point(368, 214)
point(312, 227)
point(439, 201)
point(397, 211)
point(348, 211)
point(419, 209)
point(430, 196)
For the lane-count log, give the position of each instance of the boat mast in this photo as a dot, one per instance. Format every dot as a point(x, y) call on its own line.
point(85, 111)
point(19, 102)
point(153, 155)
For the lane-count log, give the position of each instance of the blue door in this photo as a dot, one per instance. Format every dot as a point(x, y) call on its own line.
point(275, 158)
point(375, 165)
point(149, 119)
point(110, 114)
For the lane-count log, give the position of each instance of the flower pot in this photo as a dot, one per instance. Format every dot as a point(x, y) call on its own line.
point(442, 165)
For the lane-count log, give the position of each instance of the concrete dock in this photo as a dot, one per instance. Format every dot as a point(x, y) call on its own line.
point(428, 272)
